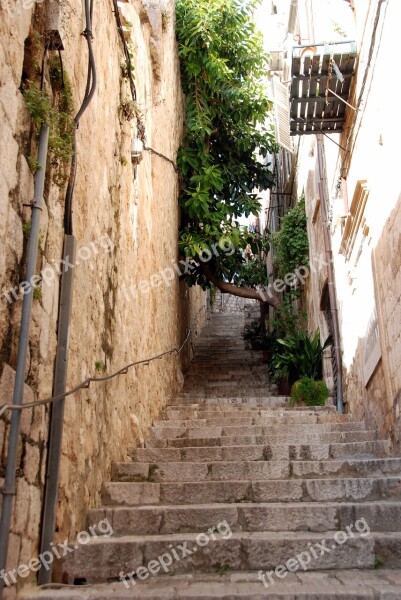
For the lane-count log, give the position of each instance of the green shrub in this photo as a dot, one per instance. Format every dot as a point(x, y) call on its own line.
point(313, 393)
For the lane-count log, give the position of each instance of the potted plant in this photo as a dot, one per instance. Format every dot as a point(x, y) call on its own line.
point(301, 355)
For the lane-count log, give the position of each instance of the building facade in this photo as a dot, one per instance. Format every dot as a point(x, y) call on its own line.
point(345, 155)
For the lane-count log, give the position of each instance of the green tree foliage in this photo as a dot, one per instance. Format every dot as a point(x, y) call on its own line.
point(223, 65)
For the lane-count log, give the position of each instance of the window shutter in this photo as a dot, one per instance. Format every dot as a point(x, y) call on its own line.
point(282, 114)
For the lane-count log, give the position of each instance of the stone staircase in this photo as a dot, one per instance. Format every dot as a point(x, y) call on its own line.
point(236, 495)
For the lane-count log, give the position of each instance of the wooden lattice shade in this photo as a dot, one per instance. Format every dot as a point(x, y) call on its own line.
point(311, 110)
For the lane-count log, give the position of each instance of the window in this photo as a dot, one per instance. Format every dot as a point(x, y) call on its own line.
point(354, 227)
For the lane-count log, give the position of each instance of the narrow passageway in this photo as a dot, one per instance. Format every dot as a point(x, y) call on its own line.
point(238, 495)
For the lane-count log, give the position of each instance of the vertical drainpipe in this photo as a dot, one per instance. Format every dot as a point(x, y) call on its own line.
point(8, 490)
point(57, 409)
point(330, 274)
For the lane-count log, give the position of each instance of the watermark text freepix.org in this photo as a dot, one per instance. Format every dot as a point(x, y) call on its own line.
point(175, 554)
point(50, 272)
point(314, 552)
point(57, 551)
point(182, 267)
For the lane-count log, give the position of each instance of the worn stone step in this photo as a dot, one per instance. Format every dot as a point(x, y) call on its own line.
point(223, 422)
point(351, 584)
point(316, 517)
point(203, 417)
point(340, 489)
point(190, 431)
point(285, 450)
point(212, 402)
point(233, 392)
point(297, 449)
point(232, 411)
point(227, 441)
point(252, 470)
point(193, 430)
point(229, 373)
point(102, 559)
point(241, 378)
point(245, 380)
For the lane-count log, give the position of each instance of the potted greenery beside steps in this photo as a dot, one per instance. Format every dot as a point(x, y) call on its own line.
point(295, 358)
point(298, 360)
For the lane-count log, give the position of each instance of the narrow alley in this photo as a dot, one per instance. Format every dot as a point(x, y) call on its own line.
point(238, 495)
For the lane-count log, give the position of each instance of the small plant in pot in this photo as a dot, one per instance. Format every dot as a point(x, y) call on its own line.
point(310, 392)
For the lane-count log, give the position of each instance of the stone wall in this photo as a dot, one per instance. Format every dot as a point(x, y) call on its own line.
point(125, 223)
point(387, 269)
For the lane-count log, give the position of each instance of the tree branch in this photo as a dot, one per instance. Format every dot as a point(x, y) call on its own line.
point(267, 295)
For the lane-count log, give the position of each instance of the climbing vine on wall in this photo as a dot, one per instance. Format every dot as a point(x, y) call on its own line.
point(223, 66)
point(291, 241)
point(56, 112)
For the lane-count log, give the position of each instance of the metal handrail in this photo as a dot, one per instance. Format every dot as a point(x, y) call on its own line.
point(86, 383)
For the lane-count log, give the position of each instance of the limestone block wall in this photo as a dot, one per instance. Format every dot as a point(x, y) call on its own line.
point(128, 301)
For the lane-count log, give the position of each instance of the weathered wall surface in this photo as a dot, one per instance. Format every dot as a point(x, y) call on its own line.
point(365, 230)
point(126, 231)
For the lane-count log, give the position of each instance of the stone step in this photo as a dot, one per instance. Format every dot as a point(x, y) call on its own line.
point(278, 436)
point(261, 418)
point(205, 417)
point(187, 400)
point(245, 379)
point(315, 517)
point(234, 392)
point(229, 387)
point(251, 470)
point(340, 489)
point(215, 359)
point(297, 449)
point(302, 421)
point(230, 441)
point(351, 584)
point(162, 440)
point(193, 428)
point(225, 413)
point(103, 558)
point(292, 451)
point(220, 371)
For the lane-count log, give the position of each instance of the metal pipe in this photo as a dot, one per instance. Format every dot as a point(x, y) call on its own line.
point(64, 320)
point(330, 275)
point(8, 490)
point(57, 411)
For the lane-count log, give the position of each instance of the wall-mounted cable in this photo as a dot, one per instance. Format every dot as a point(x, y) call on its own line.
point(129, 69)
point(89, 93)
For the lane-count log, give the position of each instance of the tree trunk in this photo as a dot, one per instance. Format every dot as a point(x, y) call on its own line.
point(267, 295)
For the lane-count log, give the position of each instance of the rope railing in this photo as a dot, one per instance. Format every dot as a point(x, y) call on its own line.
point(86, 382)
